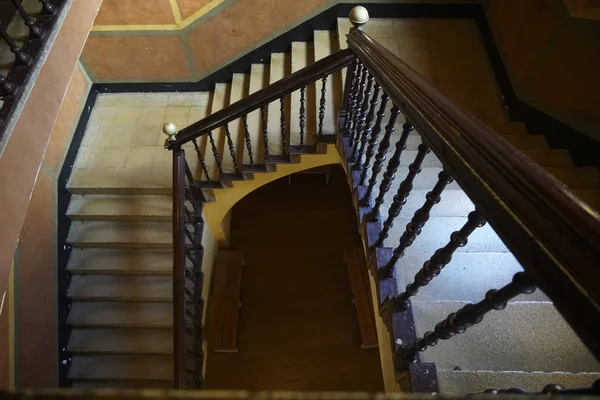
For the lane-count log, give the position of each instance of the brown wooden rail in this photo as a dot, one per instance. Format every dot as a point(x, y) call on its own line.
point(553, 234)
point(283, 87)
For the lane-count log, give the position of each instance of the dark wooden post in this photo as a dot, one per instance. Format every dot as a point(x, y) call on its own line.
point(247, 139)
point(375, 131)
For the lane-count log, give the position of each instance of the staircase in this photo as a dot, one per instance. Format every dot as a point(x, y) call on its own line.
point(121, 289)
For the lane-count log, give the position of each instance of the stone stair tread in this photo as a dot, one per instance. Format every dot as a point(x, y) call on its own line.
point(482, 271)
point(120, 315)
point(121, 261)
point(459, 383)
point(577, 177)
point(108, 234)
point(525, 336)
point(121, 341)
point(122, 367)
point(121, 288)
point(120, 181)
point(120, 208)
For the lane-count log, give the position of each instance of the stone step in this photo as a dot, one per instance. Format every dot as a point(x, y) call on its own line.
point(120, 181)
point(259, 78)
point(436, 233)
point(278, 69)
point(121, 261)
point(122, 367)
point(121, 288)
point(460, 383)
point(120, 315)
point(128, 384)
point(120, 208)
point(325, 44)
point(550, 158)
point(577, 177)
point(103, 234)
point(239, 87)
point(527, 142)
point(467, 277)
point(121, 341)
point(525, 336)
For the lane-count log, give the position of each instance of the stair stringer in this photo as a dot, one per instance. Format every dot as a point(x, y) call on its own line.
point(224, 199)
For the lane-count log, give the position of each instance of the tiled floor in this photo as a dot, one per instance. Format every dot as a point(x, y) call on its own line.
point(125, 130)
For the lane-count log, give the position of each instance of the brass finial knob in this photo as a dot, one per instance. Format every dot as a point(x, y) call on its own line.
point(358, 16)
point(170, 129)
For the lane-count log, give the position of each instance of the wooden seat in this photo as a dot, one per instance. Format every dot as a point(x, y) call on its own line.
point(358, 274)
point(224, 300)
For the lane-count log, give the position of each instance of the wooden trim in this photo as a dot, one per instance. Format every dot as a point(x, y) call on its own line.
point(554, 235)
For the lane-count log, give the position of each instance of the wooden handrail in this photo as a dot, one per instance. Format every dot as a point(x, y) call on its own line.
point(554, 235)
point(283, 87)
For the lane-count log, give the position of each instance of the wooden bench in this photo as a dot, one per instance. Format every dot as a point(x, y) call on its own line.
point(222, 324)
point(358, 274)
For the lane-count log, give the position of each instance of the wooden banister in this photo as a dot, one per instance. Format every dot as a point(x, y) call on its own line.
point(283, 87)
point(553, 234)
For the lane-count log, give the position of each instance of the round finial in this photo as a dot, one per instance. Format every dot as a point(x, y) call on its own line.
point(358, 16)
point(170, 129)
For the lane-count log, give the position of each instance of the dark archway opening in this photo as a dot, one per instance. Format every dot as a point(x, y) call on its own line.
point(298, 328)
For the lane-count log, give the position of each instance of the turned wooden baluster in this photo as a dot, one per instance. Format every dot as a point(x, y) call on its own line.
point(374, 132)
point(6, 88)
point(20, 55)
point(232, 150)
point(283, 125)
point(201, 159)
point(440, 259)
point(390, 174)
point(322, 105)
point(263, 118)
point(367, 127)
point(247, 138)
point(356, 72)
point(48, 7)
point(413, 229)
point(381, 155)
point(34, 29)
point(361, 132)
point(215, 152)
point(402, 194)
point(302, 114)
point(354, 132)
point(469, 315)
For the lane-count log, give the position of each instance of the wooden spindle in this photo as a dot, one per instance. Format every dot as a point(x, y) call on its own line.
point(35, 31)
point(215, 153)
point(47, 7)
point(390, 174)
point(361, 131)
point(201, 159)
point(263, 118)
point(356, 107)
point(402, 194)
point(6, 88)
point(413, 229)
point(20, 55)
point(432, 267)
point(247, 138)
point(469, 315)
point(322, 105)
point(352, 98)
point(283, 125)
point(372, 132)
point(381, 154)
point(232, 152)
point(302, 119)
